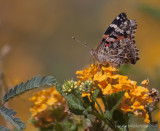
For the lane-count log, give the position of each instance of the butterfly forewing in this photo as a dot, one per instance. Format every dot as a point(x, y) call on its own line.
point(120, 19)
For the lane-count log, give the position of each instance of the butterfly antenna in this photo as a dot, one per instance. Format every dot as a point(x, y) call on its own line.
point(85, 44)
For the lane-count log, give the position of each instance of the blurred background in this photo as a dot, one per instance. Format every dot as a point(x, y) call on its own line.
point(39, 34)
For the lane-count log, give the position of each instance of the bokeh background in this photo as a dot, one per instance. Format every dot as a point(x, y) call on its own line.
point(39, 33)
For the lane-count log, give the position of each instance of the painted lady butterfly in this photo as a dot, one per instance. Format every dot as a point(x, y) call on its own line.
point(118, 43)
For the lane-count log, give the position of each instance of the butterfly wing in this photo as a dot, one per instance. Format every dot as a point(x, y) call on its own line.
point(118, 44)
point(117, 22)
point(114, 29)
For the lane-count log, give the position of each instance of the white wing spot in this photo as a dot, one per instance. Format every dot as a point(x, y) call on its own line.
point(128, 32)
point(113, 25)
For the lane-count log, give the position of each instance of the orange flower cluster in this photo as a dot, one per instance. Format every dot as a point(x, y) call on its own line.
point(136, 98)
point(48, 106)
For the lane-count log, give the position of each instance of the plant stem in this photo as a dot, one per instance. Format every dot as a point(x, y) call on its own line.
point(105, 121)
point(150, 117)
point(126, 118)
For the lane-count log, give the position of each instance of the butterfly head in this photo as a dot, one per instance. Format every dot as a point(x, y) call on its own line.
point(92, 52)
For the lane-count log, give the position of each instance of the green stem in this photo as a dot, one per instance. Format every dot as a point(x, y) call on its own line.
point(150, 117)
point(126, 118)
point(105, 121)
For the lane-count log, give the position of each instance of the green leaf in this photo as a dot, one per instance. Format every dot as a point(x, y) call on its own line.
point(87, 111)
point(57, 127)
point(59, 88)
point(74, 101)
point(120, 118)
point(74, 104)
point(152, 127)
point(122, 128)
point(113, 100)
point(4, 128)
point(9, 114)
point(35, 82)
point(96, 92)
point(68, 126)
point(108, 115)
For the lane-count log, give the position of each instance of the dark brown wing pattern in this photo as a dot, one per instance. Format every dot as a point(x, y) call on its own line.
point(118, 43)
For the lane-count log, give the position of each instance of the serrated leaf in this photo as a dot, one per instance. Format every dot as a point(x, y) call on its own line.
point(9, 114)
point(49, 79)
point(74, 104)
point(73, 101)
point(59, 88)
point(37, 81)
point(21, 87)
point(4, 128)
point(30, 84)
point(108, 115)
point(25, 86)
point(113, 100)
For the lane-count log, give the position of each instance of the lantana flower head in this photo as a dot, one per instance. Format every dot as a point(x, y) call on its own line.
point(48, 106)
point(107, 79)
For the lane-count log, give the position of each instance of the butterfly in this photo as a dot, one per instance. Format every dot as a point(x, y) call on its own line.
point(117, 45)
